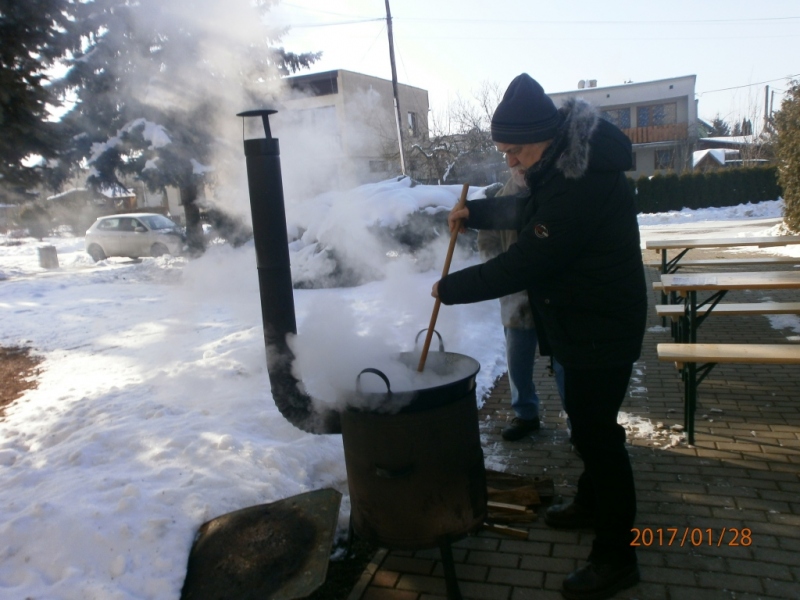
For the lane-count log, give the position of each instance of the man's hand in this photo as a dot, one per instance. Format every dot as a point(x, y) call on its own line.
point(456, 218)
point(435, 290)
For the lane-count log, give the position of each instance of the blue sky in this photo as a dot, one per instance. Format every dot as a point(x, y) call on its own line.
point(450, 48)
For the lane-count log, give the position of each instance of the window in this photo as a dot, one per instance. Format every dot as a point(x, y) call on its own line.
point(412, 124)
point(657, 114)
point(378, 166)
point(633, 162)
point(665, 159)
point(107, 224)
point(621, 117)
point(158, 222)
point(126, 224)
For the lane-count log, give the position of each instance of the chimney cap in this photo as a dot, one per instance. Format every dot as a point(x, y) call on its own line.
point(258, 112)
point(264, 113)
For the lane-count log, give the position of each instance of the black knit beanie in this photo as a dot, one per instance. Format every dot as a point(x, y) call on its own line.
point(525, 115)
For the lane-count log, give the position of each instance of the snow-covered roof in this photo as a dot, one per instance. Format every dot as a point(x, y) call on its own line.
point(717, 154)
point(731, 139)
point(721, 155)
point(66, 193)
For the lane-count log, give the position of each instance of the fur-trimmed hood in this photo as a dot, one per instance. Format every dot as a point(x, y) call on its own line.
point(585, 142)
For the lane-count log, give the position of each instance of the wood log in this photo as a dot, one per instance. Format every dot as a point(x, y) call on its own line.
point(521, 534)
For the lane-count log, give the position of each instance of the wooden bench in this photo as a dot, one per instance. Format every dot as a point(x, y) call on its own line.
point(722, 262)
point(687, 356)
point(676, 312)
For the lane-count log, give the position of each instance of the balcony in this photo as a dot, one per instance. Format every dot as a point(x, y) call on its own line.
point(677, 132)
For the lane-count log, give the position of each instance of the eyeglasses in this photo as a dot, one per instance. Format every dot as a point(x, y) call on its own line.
point(513, 151)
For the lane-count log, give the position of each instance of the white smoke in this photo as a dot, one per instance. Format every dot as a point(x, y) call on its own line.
point(339, 231)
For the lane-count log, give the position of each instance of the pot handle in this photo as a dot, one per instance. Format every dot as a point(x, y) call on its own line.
point(379, 374)
point(441, 342)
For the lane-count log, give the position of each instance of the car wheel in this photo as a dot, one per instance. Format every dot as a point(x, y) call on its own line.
point(96, 252)
point(157, 250)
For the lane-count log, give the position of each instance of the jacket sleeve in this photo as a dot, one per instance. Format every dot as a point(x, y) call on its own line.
point(500, 212)
point(554, 236)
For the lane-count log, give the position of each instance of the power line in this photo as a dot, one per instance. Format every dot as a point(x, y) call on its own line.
point(593, 22)
point(736, 87)
point(333, 24)
point(316, 10)
point(597, 39)
point(483, 21)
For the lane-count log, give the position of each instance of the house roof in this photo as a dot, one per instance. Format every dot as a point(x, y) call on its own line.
point(737, 140)
point(716, 154)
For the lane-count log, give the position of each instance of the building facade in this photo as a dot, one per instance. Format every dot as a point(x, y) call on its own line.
point(346, 123)
point(659, 117)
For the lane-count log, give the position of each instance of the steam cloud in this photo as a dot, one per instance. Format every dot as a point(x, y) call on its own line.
point(340, 233)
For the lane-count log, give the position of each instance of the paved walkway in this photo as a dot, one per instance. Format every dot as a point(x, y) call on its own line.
point(743, 474)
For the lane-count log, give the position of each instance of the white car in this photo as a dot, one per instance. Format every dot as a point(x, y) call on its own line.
point(134, 235)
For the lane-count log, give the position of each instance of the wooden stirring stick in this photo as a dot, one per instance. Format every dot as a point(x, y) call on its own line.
point(448, 259)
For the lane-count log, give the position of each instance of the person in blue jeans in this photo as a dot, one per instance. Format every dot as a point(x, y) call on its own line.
point(519, 329)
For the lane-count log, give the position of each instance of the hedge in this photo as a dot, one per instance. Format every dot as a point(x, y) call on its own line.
point(713, 189)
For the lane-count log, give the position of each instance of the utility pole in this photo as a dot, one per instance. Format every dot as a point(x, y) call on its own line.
point(397, 114)
point(766, 108)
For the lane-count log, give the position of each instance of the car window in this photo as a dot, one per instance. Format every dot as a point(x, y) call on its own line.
point(126, 224)
point(158, 222)
point(136, 223)
point(108, 224)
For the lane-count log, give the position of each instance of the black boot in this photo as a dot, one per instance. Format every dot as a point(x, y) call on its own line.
point(519, 428)
point(597, 581)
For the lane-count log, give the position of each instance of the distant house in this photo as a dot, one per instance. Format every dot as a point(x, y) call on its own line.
point(732, 151)
point(710, 159)
point(659, 117)
point(347, 121)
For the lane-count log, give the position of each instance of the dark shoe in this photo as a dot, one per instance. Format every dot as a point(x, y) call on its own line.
point(599, 581)
point(519, 428)
point(569, 516)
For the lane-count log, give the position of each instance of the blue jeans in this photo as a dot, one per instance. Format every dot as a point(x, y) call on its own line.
point(520, 355)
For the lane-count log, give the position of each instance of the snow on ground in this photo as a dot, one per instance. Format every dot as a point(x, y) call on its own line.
point(153, 411)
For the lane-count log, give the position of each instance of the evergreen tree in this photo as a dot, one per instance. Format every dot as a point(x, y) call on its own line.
point(719, 127)
point(787, 123)
point(34, 34)
point(153, 79)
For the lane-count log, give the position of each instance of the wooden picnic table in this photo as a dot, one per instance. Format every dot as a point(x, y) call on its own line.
point(684, 245)
point(688, 285)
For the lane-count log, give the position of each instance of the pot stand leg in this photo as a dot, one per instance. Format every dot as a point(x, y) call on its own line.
point(453, 593)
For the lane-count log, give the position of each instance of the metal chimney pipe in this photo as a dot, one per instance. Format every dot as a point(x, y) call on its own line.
point(275, 280)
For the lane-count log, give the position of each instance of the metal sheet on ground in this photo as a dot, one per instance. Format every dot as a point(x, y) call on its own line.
point(277, 551)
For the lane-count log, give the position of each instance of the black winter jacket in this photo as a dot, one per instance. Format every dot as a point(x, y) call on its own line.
point(578, 254)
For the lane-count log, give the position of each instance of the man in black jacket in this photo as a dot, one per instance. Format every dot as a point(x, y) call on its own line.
point(579, 258)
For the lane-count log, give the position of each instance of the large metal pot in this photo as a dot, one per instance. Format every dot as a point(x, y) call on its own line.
point(416, 476)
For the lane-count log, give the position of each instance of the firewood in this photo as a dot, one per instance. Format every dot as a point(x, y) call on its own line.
point(503, 507)
point(509, 531)
point(503, 517)
point(523, 496)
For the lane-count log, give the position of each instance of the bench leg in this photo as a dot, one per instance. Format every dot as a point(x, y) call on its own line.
point(690, 399)
point(692, 377)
